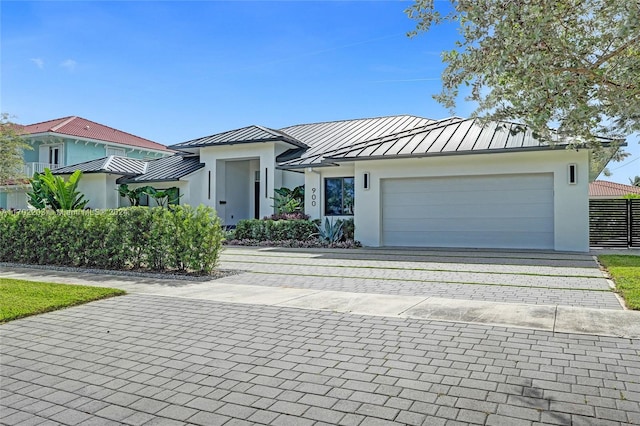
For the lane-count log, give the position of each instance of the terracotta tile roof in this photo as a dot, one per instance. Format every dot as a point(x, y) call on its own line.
point(601, 188)
point(81, 127)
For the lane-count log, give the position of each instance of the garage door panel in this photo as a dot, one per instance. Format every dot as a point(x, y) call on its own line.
point(461, 184)
point(489, 197)
point(514, 211)
point(488, 225)
point(425, 208)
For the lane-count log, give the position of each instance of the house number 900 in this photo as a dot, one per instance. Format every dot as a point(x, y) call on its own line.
point(313, 197)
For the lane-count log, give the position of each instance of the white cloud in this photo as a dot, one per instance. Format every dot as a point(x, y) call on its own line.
point(69, 64)
point(39, 62)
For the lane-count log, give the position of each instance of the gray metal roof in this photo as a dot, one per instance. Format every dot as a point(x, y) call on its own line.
point(446, 137)
point(332, 135)
point(111, 164)
point(166, 169)
point(250, 134)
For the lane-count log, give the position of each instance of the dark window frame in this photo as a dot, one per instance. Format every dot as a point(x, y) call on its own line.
point(344, 209)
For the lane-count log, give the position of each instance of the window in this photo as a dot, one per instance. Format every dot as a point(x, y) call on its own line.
point(55, 155)
point(116, 151)
point(338, 196)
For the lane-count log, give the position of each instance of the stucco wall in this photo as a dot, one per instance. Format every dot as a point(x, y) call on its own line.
point(95, 189)
point(262, 158)
point(571, 203)
point(314, 196)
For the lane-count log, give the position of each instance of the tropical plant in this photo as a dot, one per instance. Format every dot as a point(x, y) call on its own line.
point(53, 191)
point(161, 196)
point(133, 195)
point(289, 200)
point(331, 232)
point(635, 181)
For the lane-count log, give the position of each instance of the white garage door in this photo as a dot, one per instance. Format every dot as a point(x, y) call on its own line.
point(497, 211)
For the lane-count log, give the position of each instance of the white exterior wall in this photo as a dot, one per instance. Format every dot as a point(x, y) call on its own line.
point(314, 189)
point(571, 202)
point(261, 155)
point(95, 188)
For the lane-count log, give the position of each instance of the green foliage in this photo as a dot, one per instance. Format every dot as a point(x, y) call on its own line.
point(635, 181)
point(163, 198)
point(625, 271)
point(20, 298)
point(53, 191)
point(275, 230)
point(289, 200)
point(571, 62)
point(631, 196)
point(12, 146)
point(349, 229)
point(133, 195)
point(331, 232)
point(182, 238)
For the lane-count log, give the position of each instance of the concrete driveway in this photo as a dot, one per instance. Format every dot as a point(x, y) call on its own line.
point(333, 337)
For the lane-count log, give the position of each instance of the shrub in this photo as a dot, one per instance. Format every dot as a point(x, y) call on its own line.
point(312, 243)
point(348, 229)
point(276, 230)
point(182, 238)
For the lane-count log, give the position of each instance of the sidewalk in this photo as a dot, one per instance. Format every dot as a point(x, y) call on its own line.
point(554, 318)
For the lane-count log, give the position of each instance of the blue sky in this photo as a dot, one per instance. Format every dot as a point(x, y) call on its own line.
point(173, 71)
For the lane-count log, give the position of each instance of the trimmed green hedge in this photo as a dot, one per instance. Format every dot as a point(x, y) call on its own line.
point(274, 230)
point(183, 238)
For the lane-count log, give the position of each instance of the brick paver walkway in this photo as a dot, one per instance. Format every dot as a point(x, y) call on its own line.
point(142, 359)
point(513, 277)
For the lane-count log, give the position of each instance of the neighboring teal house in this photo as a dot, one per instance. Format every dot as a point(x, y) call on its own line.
point(71, 140)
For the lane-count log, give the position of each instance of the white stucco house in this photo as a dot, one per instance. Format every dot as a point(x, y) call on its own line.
point(405, 180)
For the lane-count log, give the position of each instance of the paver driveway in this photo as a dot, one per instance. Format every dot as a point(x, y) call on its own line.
point(542, 278)
point(179, 359)
point(142, 359)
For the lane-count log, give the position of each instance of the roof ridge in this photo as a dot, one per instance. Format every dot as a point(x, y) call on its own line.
point(121, 131)
point(108, 162)
point(46, 121)
point(64, 123)
point(356, 119)
point(381, 139)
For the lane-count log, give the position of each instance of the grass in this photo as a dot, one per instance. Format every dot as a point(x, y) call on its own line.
point(625, 271)
point(19, 298)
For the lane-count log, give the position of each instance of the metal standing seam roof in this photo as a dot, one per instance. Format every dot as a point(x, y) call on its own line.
point(602, 188)
point(249, 134)
point(329, 136)
point(446, 137)
point(81, 127)
point(166, 169)
point(111, 164)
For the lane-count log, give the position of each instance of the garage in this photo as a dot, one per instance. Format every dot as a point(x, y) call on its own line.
point(488, 211)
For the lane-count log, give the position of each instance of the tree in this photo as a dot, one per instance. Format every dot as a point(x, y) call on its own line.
point(54, 192)
point(12, 146)
point(570, 63)
point(635, 181)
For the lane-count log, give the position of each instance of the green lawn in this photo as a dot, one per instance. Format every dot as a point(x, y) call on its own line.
point(625, 271)
point(20, 298)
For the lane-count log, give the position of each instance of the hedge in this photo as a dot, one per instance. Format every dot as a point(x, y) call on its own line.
point(180, 238)
point(275, 230)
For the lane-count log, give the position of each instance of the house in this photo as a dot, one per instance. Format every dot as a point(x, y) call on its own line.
point(71, 140)
point(601, 189)
point(405, 180)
